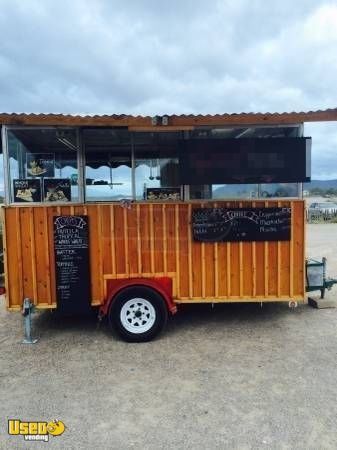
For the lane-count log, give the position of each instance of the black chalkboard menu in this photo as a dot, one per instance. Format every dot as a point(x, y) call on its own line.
point(71, 246)
point(241, 224)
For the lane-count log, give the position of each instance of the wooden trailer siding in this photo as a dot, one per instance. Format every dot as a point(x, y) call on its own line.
point(154, 240)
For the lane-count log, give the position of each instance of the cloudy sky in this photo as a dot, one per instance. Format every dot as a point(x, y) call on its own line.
point(177, 56)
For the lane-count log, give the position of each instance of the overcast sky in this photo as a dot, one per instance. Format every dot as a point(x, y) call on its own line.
point(176, 56)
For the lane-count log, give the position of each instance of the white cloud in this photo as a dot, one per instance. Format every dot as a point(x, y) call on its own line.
point(148, 57)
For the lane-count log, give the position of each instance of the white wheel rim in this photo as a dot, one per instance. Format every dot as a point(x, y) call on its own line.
point(137, 315)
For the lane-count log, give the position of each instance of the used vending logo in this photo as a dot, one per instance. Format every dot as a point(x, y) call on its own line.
point(35, 431)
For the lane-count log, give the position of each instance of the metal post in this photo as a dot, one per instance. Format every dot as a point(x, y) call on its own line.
point(324, 277)
point(81, 175)
point(7, 184)
point(27, 314)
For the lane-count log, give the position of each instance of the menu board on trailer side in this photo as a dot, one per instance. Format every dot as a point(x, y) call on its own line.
point(71, 246)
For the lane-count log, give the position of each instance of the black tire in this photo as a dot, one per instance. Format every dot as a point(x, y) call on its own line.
point(155, 316)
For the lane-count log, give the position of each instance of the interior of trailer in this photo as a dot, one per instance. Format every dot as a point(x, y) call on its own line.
point(48, 164)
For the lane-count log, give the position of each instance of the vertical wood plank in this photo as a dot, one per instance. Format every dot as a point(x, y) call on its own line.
point(222, 264)
point(48, 215)
point(120, 240)
point(254, 264)
point(100, 254)
point(19, 247)
point(132, 240)
point(139, 241)
point(158, 238)
point(183, 249)
point(298, 249)
point(107, 239)
point(234, 263)
point(164, 239)
point(196, 266)
point(203, 266)
point(14, 293)
point(266, 263)
point(26, 254)
point(278, 263)
point(42, 272)
point(171, 237)
point(126, 238)
point(176, 216)
point(151, 237)
point(32, 230)
point(216, 265)
point(272, 255)
point(113, 239)
point(291, 254)
point(189, 237)
point(285, 248)
point(241, 265)
point(145, 238)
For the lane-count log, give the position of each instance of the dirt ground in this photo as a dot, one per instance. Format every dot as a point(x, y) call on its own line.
point(232, 377)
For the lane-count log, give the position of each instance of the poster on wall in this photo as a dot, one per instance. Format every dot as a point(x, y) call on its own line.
point(163, 193)
point(241, 224)
point(40, 165)
point(27, 190)
point(57, 190)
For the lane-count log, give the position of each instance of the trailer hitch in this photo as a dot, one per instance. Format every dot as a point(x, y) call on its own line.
point(316, 279)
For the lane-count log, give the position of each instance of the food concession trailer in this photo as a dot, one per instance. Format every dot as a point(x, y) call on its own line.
point(136, 215)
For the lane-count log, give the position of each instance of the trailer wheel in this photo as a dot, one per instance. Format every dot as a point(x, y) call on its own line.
point(138, 314)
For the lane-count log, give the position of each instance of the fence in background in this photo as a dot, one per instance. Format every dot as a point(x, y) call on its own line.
point(321, 217)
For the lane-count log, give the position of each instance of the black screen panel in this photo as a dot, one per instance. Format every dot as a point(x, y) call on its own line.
point(247, 160)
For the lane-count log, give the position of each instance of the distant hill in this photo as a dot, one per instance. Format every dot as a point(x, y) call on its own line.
point(322, 184)
point(237, 190)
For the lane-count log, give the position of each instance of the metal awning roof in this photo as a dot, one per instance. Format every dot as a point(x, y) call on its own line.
point(174, 121)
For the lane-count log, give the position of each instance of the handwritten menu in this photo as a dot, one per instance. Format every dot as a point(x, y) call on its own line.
point(241, 224)
point(71, 246)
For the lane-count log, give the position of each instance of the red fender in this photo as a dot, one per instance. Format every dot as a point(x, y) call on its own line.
point(162, 285)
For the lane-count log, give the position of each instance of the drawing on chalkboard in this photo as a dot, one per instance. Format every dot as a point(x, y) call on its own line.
point(241, 224)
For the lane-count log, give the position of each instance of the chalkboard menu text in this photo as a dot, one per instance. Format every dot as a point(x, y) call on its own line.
point(241, 224)
point(71, 245)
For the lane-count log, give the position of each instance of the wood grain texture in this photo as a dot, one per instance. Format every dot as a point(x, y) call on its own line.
point(151, 240)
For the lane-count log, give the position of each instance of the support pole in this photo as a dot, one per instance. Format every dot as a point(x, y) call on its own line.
point(27, 310)
point(324, 277)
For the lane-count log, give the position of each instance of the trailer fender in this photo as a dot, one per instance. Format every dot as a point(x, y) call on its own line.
point(162, 285)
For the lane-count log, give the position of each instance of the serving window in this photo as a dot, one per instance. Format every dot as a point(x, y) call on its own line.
point(108, 164)
point(42, 165)
point(68, 164)
point(156, 162)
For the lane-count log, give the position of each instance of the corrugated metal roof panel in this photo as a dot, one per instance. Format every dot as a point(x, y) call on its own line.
point(182, 120)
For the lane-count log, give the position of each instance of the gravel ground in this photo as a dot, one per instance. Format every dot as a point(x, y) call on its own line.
point(232, 377)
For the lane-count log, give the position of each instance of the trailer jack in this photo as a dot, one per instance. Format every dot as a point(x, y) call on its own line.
point(27, 310)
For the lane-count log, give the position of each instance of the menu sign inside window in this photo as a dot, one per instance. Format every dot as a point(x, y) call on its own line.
point(241, 224)
point(71, 246)
point(57, 189)
point(40, 164)
point(163, 193)
point(27, 190)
